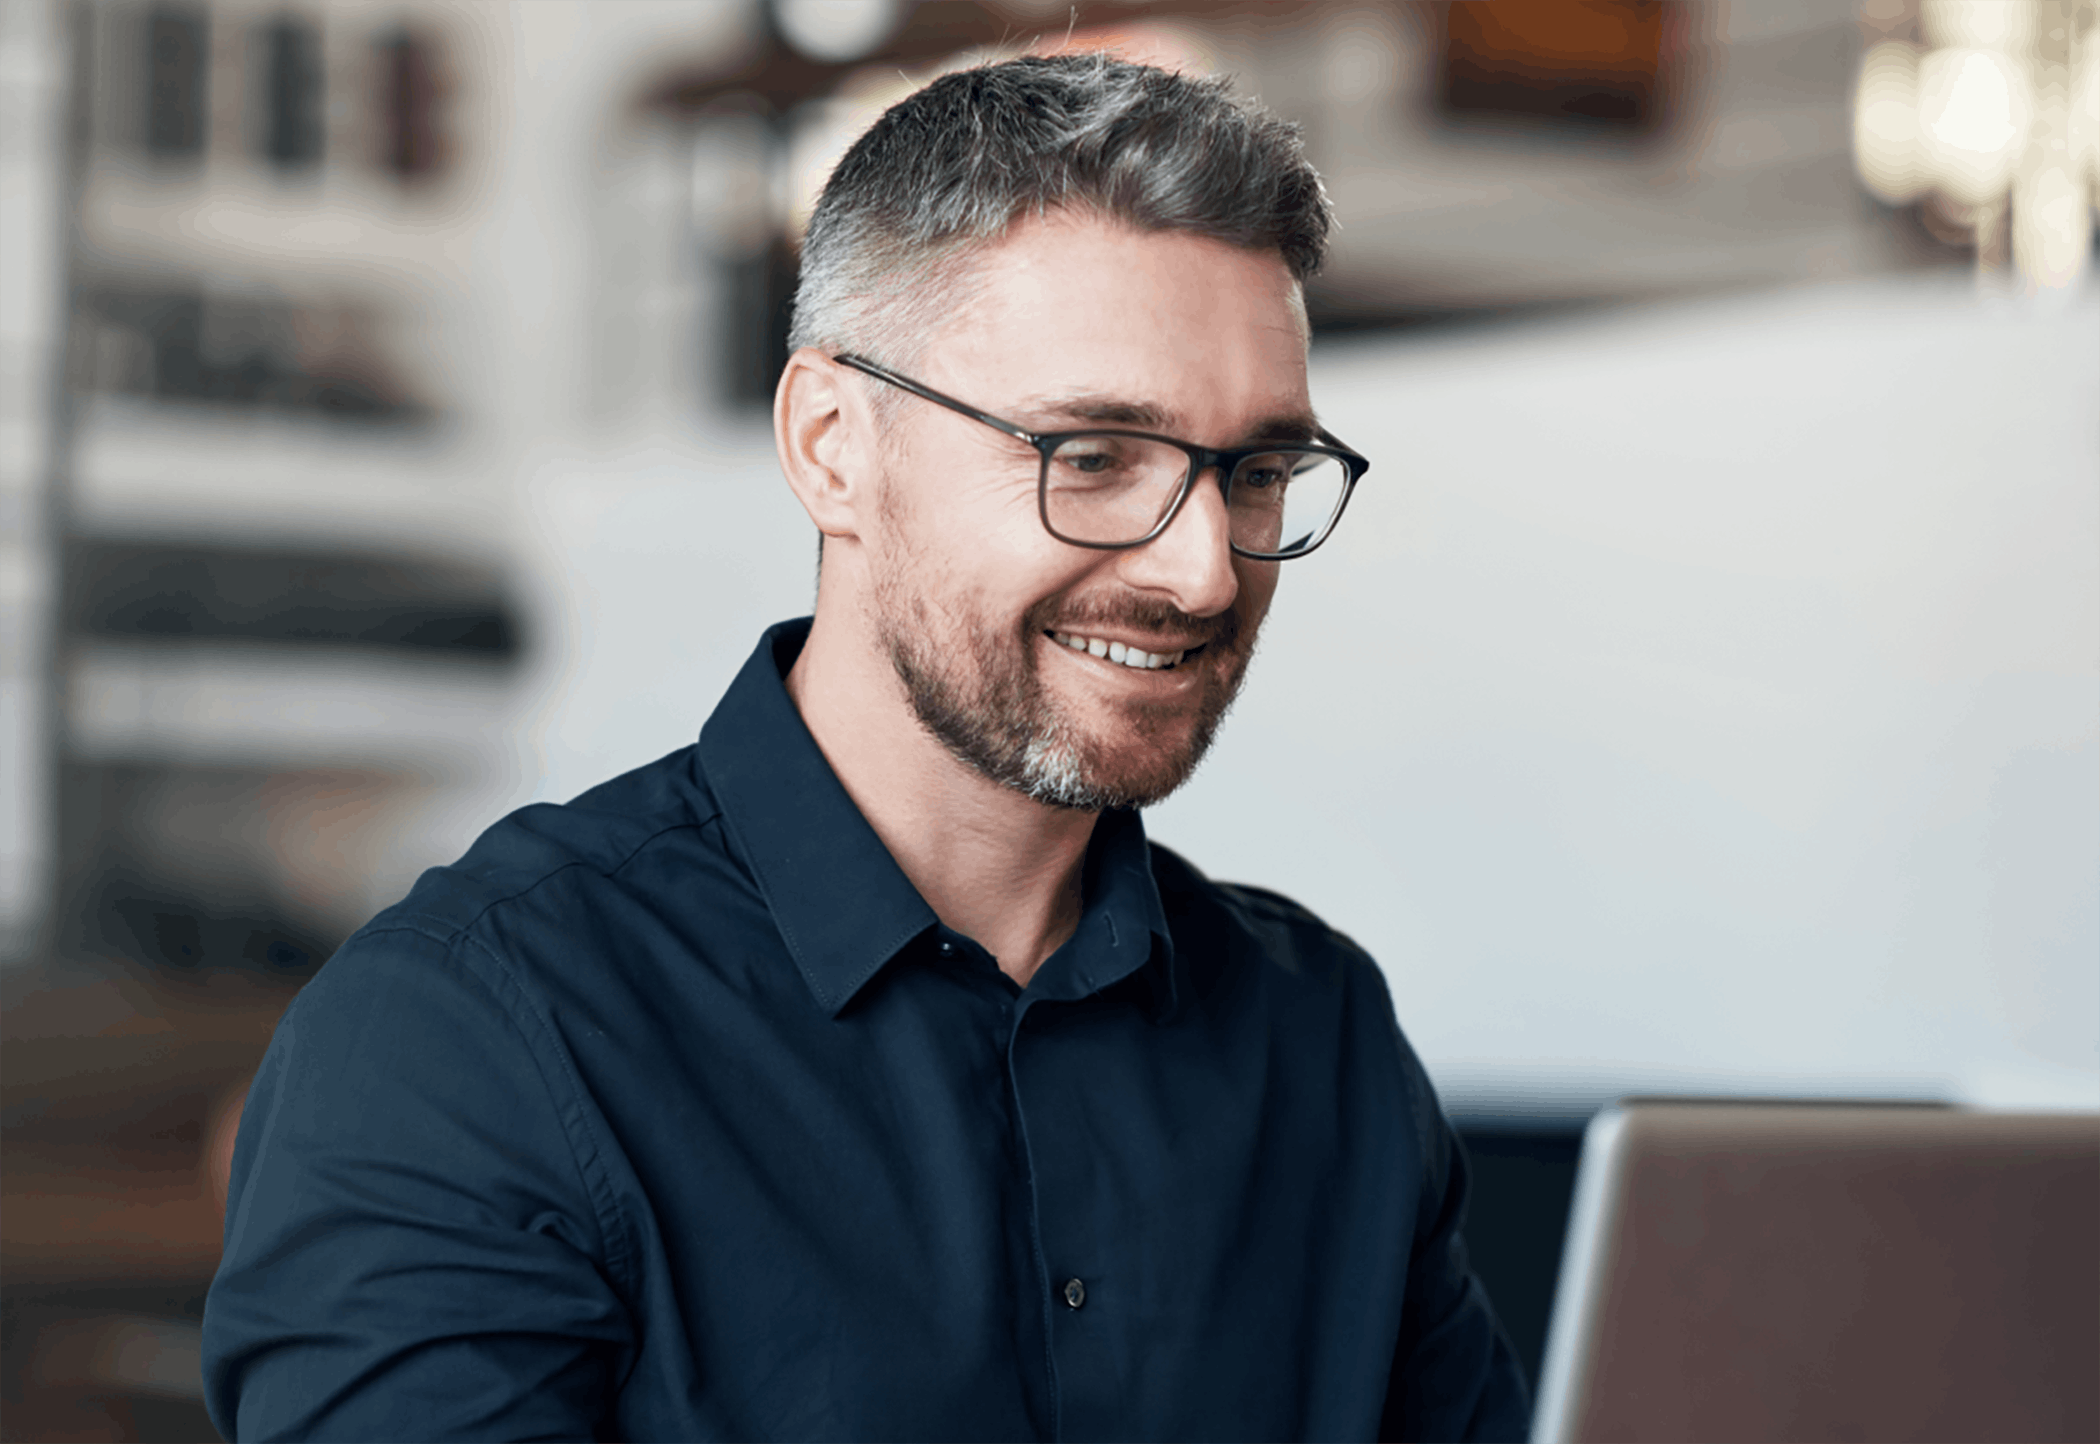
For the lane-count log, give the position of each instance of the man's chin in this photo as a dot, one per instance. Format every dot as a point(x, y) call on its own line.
point(1099, 774)
point(1093, 791)
point(1139, 753)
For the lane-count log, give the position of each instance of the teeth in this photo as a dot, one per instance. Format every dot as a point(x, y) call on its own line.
point(1119, 652)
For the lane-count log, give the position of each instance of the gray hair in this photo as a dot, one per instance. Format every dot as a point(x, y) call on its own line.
point(946, 171)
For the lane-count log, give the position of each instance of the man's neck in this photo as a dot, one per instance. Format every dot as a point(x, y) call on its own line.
point(993, 864)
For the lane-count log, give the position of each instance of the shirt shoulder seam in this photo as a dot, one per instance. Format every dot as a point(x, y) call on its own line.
point(451, 930)
point(622, 1255)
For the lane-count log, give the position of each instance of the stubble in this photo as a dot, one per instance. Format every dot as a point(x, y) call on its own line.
point(978, 689)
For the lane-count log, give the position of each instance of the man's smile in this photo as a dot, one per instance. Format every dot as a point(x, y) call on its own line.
point(1124, 654)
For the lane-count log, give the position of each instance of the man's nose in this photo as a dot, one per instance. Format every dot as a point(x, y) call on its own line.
point(1190, 563)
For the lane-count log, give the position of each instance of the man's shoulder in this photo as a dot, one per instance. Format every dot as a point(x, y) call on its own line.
point(586, 842)
point(1231, 918)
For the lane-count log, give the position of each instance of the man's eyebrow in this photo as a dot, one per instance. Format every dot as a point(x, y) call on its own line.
point(1296, 426)
point(1109, 410)
point(1144, 416)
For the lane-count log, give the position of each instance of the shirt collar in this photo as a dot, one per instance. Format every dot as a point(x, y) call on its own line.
point(843, 906)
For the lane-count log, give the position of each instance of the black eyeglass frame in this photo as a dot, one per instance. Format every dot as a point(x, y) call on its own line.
point(1201, 459)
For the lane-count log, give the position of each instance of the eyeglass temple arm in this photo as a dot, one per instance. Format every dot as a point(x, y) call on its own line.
point(927, 393)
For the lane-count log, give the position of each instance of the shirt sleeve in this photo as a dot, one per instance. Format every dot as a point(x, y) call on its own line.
point(413, 1249)
point(1455, 1375)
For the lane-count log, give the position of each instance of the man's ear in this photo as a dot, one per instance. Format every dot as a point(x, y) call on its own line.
point(825, 437)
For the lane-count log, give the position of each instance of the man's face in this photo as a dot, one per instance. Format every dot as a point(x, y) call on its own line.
point(1072, 323)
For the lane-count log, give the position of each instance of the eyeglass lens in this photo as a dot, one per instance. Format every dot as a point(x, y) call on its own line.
point(1112, 489)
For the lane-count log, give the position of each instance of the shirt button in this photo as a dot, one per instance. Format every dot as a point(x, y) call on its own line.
point(1075, 1293)
point(947, 950)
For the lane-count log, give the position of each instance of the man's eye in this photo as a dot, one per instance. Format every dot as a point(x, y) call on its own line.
point(1098, 460)
point(1263, 473)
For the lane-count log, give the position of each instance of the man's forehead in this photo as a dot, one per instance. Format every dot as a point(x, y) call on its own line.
point(1077, 244)
point(1072, 319)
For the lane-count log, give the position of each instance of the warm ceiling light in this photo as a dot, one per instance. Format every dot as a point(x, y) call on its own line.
point(835, 31)
point(1999, 113)
point(1974, 107)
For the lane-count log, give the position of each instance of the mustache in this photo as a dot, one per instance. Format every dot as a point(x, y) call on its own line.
point(1142, 614)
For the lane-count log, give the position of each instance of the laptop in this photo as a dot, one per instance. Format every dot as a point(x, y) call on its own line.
point(1741, 1271)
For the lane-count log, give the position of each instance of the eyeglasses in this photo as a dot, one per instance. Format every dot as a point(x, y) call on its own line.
point(1116, 489)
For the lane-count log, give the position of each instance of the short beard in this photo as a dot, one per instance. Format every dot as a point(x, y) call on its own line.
point(992, 713)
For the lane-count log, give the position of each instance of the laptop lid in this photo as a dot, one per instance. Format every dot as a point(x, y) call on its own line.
point(1822, 1272)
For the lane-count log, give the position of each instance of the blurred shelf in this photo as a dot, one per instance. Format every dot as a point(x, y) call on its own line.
point(178, 591)
point(261, 705)
point(1746, 178)
point(342, 224)
point(198, 469)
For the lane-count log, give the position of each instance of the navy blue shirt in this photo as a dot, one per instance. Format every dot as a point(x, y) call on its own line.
point(675, 1113)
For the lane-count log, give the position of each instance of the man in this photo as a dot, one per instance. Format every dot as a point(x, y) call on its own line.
point(862, 1071)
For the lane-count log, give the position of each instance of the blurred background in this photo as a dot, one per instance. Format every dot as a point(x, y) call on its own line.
point(1702, 696)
